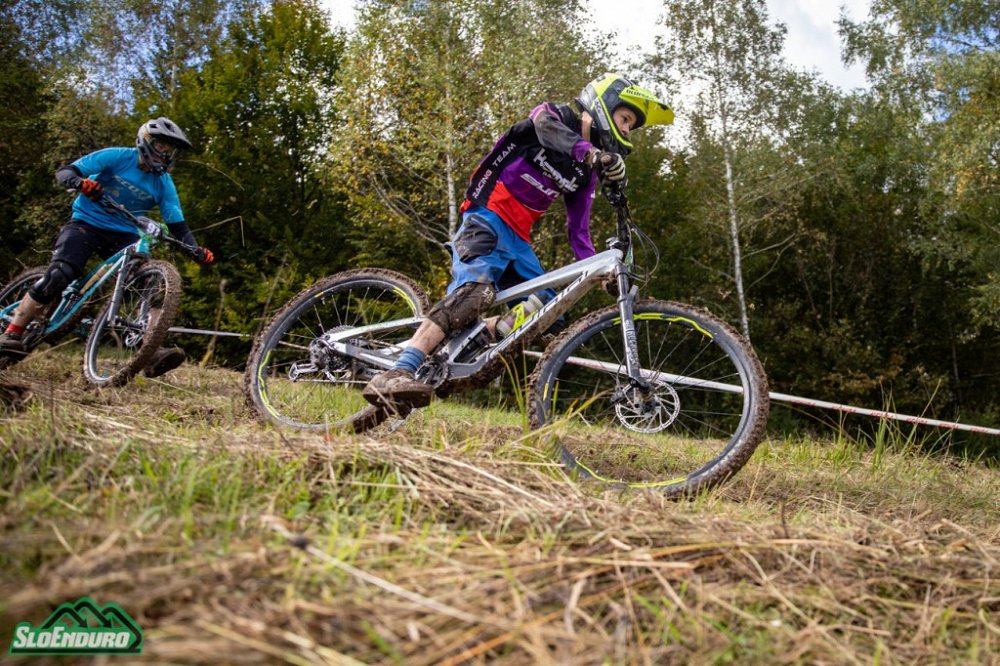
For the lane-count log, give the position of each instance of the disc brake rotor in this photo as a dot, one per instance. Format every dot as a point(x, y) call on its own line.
point(134, 332)
point(650, 413)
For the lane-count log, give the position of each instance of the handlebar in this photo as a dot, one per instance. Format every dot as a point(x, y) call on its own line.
point(110, 205)
point(614, 192)
point(628, 233)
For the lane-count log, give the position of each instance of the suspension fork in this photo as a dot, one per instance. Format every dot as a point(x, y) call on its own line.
point(626, 297)
point(119, 293)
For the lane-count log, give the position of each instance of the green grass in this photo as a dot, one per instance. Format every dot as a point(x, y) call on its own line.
point(457, 540)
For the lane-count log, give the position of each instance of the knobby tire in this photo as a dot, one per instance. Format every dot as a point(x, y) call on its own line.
point(699, 423)
point(328, 397)
point(118, 350)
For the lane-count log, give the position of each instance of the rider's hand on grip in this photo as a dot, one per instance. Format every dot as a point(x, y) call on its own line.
point(610, 166)
point(150, 227)
point(91, 189)
point(204, 256)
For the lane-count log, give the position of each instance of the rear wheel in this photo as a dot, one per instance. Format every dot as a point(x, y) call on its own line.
point(11, 295)
point(293, 380)
point(122, 342)
point(695, 423)
point(15, 290)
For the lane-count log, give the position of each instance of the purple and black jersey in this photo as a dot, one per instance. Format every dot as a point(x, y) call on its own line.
point(536, 161)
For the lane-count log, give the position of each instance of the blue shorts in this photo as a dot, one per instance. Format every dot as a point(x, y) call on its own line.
point(486, 250)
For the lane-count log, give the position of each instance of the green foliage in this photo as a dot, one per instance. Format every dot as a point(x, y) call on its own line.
point(937, 62)
point(48, 117)
point(427, 88)
point(944, 58)
point(22, 102)
point(259, 112)
point(729, 55)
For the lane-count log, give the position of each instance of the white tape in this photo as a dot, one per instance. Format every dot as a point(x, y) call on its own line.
point(777, 397)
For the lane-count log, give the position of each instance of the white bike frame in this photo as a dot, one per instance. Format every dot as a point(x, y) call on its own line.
point(580, 277)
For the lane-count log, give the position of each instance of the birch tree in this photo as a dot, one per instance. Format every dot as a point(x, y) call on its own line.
point(727, 55)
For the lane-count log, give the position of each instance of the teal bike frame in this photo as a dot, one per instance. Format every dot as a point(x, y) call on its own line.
point(79, 292)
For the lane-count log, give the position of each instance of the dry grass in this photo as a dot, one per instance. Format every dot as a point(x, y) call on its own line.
point(455, 541)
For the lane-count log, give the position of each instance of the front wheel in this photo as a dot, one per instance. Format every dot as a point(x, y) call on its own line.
point(123, 340)
point(692, 422)
point(292, 379)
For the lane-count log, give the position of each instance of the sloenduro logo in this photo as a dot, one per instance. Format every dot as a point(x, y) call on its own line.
point(80, 628)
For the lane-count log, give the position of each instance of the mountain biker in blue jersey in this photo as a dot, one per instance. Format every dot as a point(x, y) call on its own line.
point(138, 178)
point(557, 151)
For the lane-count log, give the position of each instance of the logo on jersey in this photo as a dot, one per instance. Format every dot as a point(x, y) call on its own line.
point(141, 197)
point(547, 191)
point(565, 184)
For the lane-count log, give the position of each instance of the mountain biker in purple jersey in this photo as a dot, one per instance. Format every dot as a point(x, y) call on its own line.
point(557, 151)
point(138, 178)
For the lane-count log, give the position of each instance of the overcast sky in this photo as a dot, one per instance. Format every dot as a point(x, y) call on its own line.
point(811, 43)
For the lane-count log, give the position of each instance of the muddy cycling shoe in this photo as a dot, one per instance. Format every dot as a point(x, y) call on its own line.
point(164, 360)
point(12, 348)
point(374, 415)
point(398, 387)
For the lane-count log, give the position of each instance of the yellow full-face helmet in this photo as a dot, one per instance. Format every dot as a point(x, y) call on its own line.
point(605, 94)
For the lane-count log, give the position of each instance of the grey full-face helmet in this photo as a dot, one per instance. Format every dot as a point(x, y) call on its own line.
point(159, 141)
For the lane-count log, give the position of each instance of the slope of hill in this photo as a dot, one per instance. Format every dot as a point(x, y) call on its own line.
point(455, 540)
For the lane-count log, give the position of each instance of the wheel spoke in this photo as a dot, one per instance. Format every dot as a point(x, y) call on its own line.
point(294, 379)
point(120, 344)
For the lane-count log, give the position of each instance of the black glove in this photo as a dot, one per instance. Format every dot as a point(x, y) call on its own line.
point(204, 256)
point(91, 189)
point(610, 166)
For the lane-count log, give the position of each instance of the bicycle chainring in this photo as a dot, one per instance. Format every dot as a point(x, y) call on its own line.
point(433, 371)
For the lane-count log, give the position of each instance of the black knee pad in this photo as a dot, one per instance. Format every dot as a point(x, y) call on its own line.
point(462, 306)
point(50, 286)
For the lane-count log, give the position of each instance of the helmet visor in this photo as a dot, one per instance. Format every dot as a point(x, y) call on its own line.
point(650, 110)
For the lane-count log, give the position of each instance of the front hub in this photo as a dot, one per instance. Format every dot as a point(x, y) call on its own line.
point(648, 411)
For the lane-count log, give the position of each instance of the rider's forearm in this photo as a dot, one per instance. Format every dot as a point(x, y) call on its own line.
point(181, 232)
point(553, 134)
point(69, 176)
point(578, 221)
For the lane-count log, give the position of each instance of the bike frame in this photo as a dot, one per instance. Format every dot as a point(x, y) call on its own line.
point(115, 265)
point(79, 291)
point(578, 278)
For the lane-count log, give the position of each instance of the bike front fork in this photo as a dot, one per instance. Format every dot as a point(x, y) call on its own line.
point(626, 297)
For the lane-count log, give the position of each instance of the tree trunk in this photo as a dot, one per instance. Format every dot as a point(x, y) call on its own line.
point(452, 198)
point(734, 239)
point(734, 220)
point(449, 160)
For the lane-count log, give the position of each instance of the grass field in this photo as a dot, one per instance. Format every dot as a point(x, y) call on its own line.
point(456, 540)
